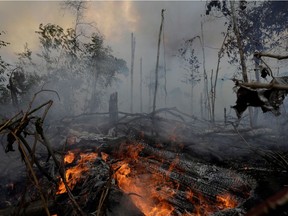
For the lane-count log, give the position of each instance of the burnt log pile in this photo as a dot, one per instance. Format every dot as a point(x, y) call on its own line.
point(138, 166)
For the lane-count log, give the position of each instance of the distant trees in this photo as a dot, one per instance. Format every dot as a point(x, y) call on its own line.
point(82, 69)
point(3, 64)
point(15, 80)
point(102, 67)
point(251, 27)
point(191, 65)
point(4, 93)
point(79, 70)
point(77, 65)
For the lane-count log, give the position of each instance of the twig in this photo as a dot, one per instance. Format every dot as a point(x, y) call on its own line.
point(29, 166)
point(35, 161)
point(7, 125)
point(104, 194)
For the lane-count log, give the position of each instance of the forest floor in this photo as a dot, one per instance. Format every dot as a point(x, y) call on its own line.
point(258, 153)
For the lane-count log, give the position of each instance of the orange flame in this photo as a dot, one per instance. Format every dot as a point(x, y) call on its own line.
point(148, 191)
point(145, 194)
point(69, 157)
point(74, 174)
point(104, 156)
point(226, 201)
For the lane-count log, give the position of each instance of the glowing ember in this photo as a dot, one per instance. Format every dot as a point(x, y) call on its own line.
point(226, 201)
point(69, 157)
point(150, 191)
point(104, 156)
point(74, 174)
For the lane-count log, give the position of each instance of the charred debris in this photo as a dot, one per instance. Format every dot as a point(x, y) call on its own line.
point(268, 96)
point(160, 163)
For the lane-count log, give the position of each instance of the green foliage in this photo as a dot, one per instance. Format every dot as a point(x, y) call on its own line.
point(25, 55)
point(100, 60)
point(78, 67)
point(79, 70)
point(102, 67)
point(3, 67)
point(3, 43)
point(54, 37)
point(96, 49)
point(3, 64)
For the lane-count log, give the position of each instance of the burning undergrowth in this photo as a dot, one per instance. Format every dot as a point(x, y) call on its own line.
point(132, 173)
point(158, 182)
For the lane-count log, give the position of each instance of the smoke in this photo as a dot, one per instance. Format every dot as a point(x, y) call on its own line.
point(116, 20)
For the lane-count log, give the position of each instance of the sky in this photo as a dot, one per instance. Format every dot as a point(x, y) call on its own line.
point(116, 20)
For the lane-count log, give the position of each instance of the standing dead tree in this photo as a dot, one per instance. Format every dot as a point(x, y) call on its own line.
point(141, 82)
point(113, 108)
point(157, 61)
point(132, 70)
point(213, 86)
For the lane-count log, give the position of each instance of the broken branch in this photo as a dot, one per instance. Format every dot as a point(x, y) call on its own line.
point(279, 57)
point(257, 85)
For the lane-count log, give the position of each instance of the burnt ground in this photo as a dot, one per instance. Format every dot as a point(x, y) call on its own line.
point(259, 153)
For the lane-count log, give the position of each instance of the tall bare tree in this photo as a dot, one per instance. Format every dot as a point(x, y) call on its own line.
point(252, 26)
point(141, 83)
point(214, 84)
point(157, 61)
point(133, 43)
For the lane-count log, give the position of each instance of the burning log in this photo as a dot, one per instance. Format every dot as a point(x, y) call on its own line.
point(160, 180)
point(136, 174)
point(151, 175)
point(208, 184)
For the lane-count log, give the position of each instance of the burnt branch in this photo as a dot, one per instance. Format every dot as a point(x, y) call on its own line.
point(258, 85)
point(261, 54)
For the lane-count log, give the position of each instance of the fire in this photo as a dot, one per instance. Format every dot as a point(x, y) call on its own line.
point(69, 157)
point(150, 191)
point(147, 191)
point(74, 174)
point(226, 201)
point(104, 156)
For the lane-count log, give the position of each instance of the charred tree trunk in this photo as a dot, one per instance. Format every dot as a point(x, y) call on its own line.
point(241, 52)
point(132, 69)
point(141, 81)
point(13, 91)
point(113, 108)
point(206, 91)
point(257, 76)
point(157, 61)
point(239, 42)
point(165, 71)
point(213, 100)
